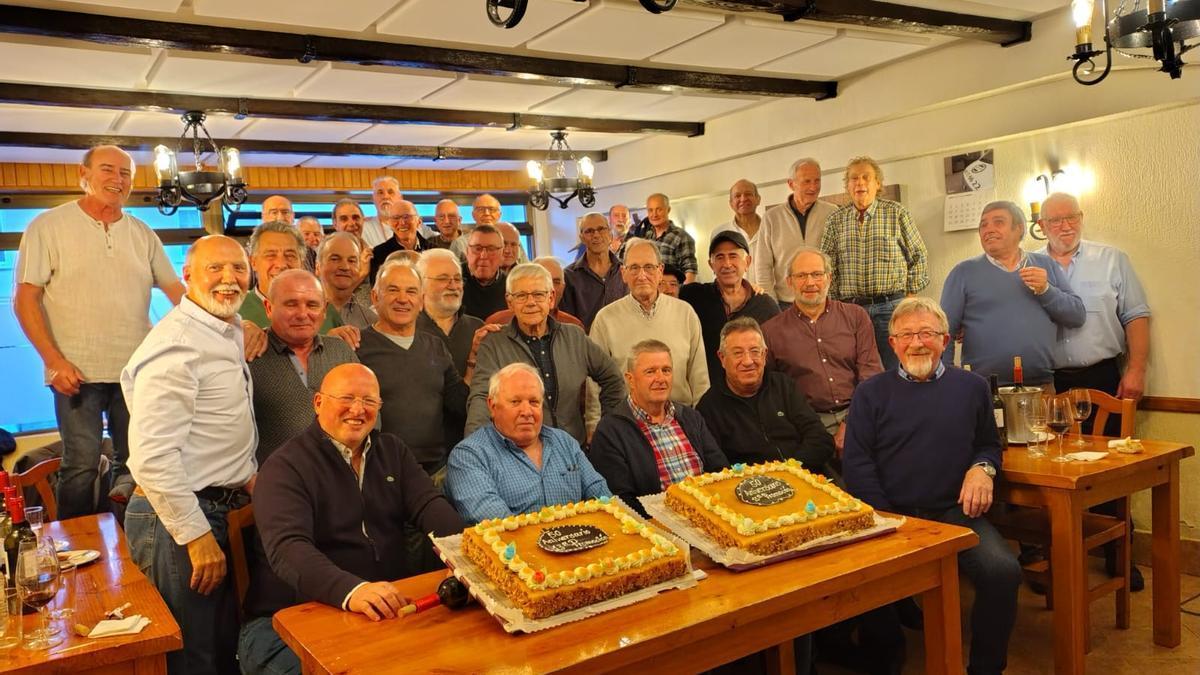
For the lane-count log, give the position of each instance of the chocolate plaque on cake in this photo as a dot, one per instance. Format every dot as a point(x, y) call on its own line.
point(763, 491)
point(571, 538)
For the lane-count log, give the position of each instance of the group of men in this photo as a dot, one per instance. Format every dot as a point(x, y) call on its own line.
point(444, 381)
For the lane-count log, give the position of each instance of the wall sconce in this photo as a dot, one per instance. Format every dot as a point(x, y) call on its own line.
point(1036, 190)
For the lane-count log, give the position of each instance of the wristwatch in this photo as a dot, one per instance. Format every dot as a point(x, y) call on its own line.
point(987, 468)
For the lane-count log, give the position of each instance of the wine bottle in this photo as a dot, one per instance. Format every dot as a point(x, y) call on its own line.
point(5, 519)
point(1018, 373)
point(998, 410)
point(21, 532)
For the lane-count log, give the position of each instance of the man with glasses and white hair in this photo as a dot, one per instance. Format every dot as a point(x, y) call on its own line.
point(517, 464)
point(594, 280)
point(1008, 302)
point(554, 267)
point(483, 280)
point(443, 315)
point(921, 440)
point(648, 314)
point(278, 208)
point(562, 354)
point(449, 226)
point(405, 223)
point(799, 221)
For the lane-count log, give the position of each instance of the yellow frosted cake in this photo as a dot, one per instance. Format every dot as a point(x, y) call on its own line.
point(767, 508)
point(566, 557)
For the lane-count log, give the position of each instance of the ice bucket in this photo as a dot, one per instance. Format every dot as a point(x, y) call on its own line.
point(1016, 401)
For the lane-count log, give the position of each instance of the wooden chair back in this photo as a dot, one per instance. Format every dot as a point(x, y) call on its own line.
point(1106, 405)
point(237, 521)
point(38, 476)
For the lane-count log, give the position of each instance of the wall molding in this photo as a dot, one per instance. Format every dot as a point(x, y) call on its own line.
point(1170, 404)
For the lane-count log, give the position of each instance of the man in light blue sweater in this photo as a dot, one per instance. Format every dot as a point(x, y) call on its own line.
point(1008, 302)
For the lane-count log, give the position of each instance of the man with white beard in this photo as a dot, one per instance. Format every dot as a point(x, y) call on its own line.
point(443, 316)
point(191, 451)
point(921, 440)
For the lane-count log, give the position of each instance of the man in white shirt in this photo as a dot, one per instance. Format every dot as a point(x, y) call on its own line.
point(743, 201)
point(798, 221)
point(385, 191)
point(192, 439)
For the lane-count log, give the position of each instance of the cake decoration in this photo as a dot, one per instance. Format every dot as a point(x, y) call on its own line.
point(763, 491)
point(571, 538)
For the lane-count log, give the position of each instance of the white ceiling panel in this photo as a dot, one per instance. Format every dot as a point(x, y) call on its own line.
point(273, 159)
point(410, 134)
point(350, 162)
point(153, 5)
point(847, 53)
point(745, 43)
point(167, 124)
point(301, 130)
point(55, 64)
point(500, 165)
point(624, 31)
point(695, 108)
point(493, 137)
point(600, 103)
point(353, 85)
point(44, 118)
point(40, 155)
point(341, 15)
point(427, 18)
point(594, 140)
point(229, 77)
point(503, 96)
point(440, 164)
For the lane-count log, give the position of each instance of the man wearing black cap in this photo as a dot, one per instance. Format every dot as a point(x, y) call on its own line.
point(727, 298)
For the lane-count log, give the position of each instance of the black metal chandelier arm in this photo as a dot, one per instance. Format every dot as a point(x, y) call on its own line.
point(658, 6)
point(496, 16)
point(1083, 60)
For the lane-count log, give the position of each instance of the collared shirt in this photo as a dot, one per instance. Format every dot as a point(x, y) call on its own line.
point(1112, 295)
point(801, 216)
point(375, 233)
point(673, 452)
point(488, 476)
point(191, 415)
point(937, 373)
point(95, 285)
point(440, 241)
point(380, 253)
point(539, 347)
point(828, 357)
point(732, 226)
point(347, 454)
point(883, 255)
point(254, 311)
point(356, 314)
point(1021, 263)
point(677, 248)
point(587, 293)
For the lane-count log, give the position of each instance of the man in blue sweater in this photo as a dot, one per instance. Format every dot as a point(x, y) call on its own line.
point(1008, 302)
point(921, 441)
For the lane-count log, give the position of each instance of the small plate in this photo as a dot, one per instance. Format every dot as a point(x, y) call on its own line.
point(1041, 438)
point(78, 558)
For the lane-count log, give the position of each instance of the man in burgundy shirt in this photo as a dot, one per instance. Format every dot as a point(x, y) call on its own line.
point(826, 346)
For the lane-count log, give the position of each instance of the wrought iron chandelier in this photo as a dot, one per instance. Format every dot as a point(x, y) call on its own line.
point(199, 187)
point(550, 177)
point(508, 13)
point(1161, 26)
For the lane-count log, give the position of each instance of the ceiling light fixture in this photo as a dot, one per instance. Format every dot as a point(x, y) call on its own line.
point(199, 187)
point(550, 177)
point(508, 13)
point(1161, 26)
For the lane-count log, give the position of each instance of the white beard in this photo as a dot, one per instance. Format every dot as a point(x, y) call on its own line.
point(218, 308)
point(919, 366)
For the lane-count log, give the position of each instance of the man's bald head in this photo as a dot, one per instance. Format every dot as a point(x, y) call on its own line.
point(278, 208)
point(217, 274)
point(348, 404)
point(486, 210)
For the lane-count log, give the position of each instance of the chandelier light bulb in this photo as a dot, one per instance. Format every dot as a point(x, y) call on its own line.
point(233, 163)
point(164, 164)
point(1081, 13)
point(586, 168)
point(534, 169)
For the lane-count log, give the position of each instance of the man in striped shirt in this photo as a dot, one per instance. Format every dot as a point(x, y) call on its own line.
point(878, 254)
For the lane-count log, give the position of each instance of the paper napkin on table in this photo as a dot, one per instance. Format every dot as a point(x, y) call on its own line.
point(1087, 456)
point(130, 625)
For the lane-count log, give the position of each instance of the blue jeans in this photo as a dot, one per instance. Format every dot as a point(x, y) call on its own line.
point(262, 652)
point(208, 622)
point(881, 314)
point(81, 424)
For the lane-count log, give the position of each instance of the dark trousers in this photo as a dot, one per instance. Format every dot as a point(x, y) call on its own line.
point(81, 420)
point(1104, 376)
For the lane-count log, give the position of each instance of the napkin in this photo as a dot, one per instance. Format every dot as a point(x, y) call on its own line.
point(130, 625)
point(1087, 456)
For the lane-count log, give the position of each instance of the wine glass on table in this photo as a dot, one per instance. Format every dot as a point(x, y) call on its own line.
point(1060, 415)
point(37, 580)
point(1035, 419)
point(1081, 402)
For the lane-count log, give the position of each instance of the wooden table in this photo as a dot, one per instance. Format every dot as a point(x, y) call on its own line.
point(727, 616)
point(1066, 490)
point(109, 582)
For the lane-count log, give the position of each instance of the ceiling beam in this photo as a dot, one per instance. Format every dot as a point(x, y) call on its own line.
point(306, 48)
point(324, 111)
point(147, 143)
point(886, 15)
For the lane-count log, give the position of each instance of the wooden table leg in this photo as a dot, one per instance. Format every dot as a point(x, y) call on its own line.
point(781, 659)
point(1069, 578)
point(1165, 556)
point(943, 627)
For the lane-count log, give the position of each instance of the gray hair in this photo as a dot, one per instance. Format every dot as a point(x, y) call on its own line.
point(338, 236)
point(343, 202)
point(393, 265)
point(857, 161)
point(286, 274)
point(825, 259)
point(280, 227)
point(610, 209)
point(635, 242)
point(742, 324)
point(497, 379)
point(747, 181)
point(801, 162)
point(590, 215)
point(308, 219)
point(528, 271)
point(916, 305)
point(543, 260)
point(665, 199)
point(436, 254)
point(385, 179)
point(650, 346)
point(1061, 196)
point(1015, 212)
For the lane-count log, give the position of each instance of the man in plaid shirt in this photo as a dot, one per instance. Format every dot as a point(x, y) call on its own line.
point(878, 254)
point(650, 442)
point(677, 248)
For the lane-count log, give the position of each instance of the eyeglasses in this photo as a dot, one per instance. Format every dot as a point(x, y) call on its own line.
point(450, 217)
point(1069, 219)
point(367, 402)
point(488, 209)
point(755, 353)
point(447, 279)
point(642, 269)
point(806, 275)
point(593, 231)
point(522, 297)
point(925, 335)
point(512, 244)
point(405, 216)
point(480, 250)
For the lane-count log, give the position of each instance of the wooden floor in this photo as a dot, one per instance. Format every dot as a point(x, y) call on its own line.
point(1114, 652)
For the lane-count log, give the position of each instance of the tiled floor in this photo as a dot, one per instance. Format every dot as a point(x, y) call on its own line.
point(1114, 652)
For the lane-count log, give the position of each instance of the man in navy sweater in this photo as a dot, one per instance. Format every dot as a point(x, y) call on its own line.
point(921, 440)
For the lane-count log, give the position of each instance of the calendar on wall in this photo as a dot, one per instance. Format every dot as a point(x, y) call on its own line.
point(970, 186)
point(963, 209)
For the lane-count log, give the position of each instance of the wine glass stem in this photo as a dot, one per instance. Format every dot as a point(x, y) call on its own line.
point(44, 614)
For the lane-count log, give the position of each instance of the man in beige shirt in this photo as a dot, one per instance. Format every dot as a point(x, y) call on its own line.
point(798, 221)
